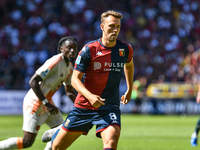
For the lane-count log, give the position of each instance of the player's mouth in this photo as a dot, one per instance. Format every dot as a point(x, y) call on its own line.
point(72, 55)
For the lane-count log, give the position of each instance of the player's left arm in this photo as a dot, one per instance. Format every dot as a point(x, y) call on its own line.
point(129, 73)
point(70, 92)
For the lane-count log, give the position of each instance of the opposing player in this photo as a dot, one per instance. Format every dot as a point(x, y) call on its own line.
point(194, 136)
point(38, 106)
point(101, 63)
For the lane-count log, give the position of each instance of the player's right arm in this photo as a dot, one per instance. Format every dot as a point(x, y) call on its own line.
point(34, 84)
point(94, 100)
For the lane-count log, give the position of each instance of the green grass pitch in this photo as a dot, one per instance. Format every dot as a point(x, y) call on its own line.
point(139, 132)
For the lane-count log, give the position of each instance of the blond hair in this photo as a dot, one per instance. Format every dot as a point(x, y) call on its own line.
point(112, 13)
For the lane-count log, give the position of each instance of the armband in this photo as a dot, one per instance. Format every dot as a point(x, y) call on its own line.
point(45, 101)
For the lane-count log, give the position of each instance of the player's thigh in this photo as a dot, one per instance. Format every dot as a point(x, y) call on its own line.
point(54, 120)
point(32, 122)
point(64, 139)
point(110, 118)
point(110, 136)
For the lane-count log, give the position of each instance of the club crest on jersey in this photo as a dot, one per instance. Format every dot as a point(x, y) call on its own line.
point(67, 123)
point(121, 52)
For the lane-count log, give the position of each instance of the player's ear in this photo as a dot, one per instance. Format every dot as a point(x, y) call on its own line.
point(61, 49)
point(102, 27)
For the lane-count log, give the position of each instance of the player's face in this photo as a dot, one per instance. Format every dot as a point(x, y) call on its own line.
point(111, 28)
point(69, 49)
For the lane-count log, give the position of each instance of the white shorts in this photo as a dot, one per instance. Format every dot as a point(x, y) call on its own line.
point(32, 122)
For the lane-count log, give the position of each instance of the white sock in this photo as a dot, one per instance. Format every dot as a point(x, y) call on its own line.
point(194, 135)
point(48, 146)
point(49, 133)
point(56, 128)
point(9, 144)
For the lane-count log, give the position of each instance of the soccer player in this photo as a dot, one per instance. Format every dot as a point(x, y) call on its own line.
point(101, 64)
point(139, 88)
point(194, 136)
point(38, 106)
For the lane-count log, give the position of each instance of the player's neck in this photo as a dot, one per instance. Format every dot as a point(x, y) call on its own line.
point(66, 61)
point(108, 43)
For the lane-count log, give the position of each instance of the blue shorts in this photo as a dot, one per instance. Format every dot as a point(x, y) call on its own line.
point(82, 120)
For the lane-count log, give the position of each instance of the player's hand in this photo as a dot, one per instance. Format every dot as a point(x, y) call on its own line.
point(96, 101)
point(52, 109)
point(124, 99)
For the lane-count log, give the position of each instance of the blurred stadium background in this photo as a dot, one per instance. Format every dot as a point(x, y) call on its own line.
point(165, 36)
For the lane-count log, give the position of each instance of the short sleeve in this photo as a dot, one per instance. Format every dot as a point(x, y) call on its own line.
point(44, 71)
point(130, 56)
point(83, 59)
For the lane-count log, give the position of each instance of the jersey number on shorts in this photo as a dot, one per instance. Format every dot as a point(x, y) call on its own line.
point(113, 117)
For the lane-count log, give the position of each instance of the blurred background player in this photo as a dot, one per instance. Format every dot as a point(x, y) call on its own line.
point(38, 106)
point(138, 92)
point(194, 137)
point(102, 63)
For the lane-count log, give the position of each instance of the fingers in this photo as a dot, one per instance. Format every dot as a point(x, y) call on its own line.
point(54, 112)
point(101, 101)
point(124, 101)
point(96, 105)
point(122, 98)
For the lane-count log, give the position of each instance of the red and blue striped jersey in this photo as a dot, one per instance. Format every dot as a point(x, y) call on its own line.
point(102, 67)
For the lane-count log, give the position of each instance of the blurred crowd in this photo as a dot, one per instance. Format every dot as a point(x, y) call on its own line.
point(165, 35)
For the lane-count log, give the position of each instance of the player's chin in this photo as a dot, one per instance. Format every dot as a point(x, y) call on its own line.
point(113, 38)
point(71, 59)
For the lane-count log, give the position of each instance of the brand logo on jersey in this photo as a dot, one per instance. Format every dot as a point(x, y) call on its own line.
point(44, 73)
point(121, 52)
point(97, 65)
point(114, 65)
point(109, 66)
point(78, 59)
point(99, 53)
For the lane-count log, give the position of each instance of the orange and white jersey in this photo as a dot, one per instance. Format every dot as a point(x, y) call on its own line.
point(54, 73)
